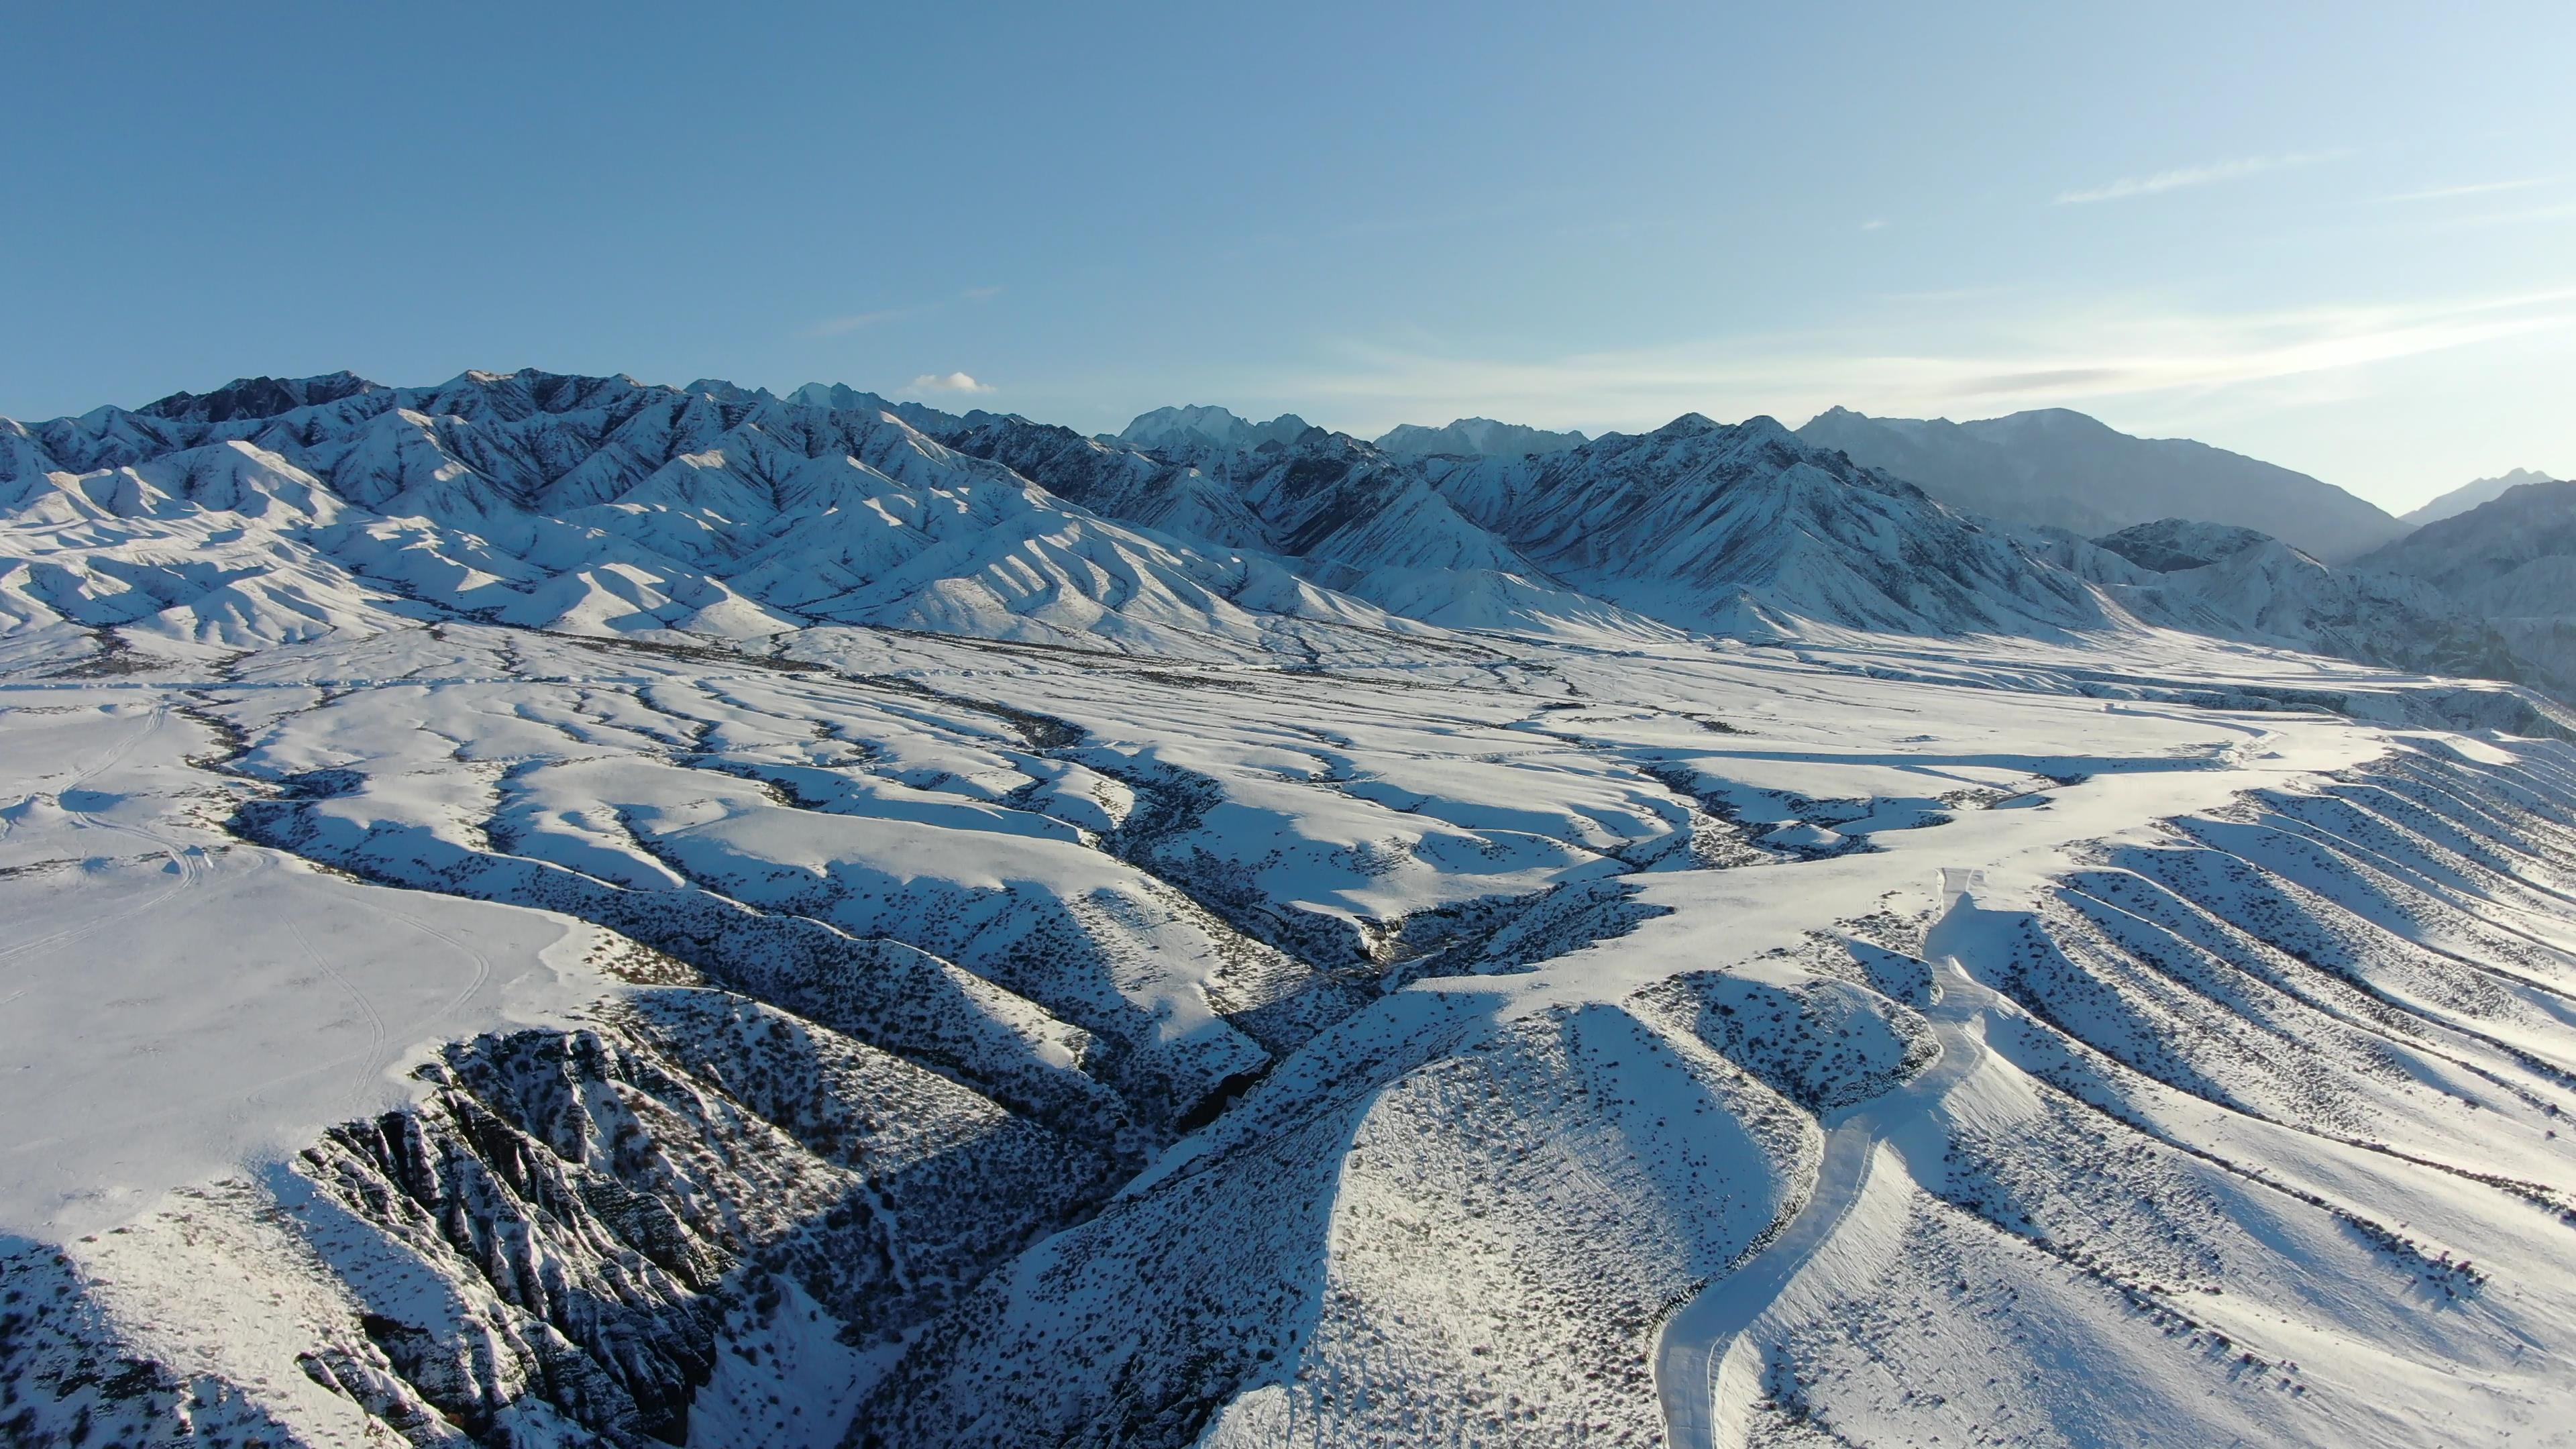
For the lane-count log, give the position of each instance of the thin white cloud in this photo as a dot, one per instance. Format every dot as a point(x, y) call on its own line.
point(2477, 188)
point(980, 294)
point(1873, 224)
point(2551, 212)
point(945, 382)
point(2182, 176)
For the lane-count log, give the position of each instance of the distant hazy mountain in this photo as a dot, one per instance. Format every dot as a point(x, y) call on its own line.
point(1474, 438)
point(2059, 469)
point(1192, 428)
point(2511, 559)
point(2469, 495)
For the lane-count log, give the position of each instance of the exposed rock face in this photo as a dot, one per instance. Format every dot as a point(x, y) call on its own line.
point(2172, 545)
point(562, 1241)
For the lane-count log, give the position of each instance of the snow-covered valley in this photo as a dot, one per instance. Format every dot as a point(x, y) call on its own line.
point(740, 944)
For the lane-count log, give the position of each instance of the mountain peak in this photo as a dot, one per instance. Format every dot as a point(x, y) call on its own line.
point(2053, 420)
point(2171, 545)
point(1203, 425)
point(1473, 438)
point(839, 396)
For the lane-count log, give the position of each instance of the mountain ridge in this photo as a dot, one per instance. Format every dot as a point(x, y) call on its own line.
point(2054, 467)
point(605, 504)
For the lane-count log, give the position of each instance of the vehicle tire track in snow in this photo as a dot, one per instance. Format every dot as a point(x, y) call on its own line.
point(379, 1054)
point(1704, 1343)
point(482, 962)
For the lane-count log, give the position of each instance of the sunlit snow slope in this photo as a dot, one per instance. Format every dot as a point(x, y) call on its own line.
point(738, 1017)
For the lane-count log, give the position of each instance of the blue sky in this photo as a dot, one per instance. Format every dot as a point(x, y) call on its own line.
point(2340, 237)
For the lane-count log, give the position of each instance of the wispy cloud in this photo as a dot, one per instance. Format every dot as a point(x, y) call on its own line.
point(2182, 176)
point(2474, 188)
point(1874, 224)
point(2472, 220)
point(980, 294)
point(2028, 360)
point(945, 382)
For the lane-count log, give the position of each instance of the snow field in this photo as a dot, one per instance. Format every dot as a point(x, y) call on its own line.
point(985, 1044)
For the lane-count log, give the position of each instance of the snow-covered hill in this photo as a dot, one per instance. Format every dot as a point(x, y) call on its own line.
point(556, 911)
point(470, 1033)
point(2059, 469)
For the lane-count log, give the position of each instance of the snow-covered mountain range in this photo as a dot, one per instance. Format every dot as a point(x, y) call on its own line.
point(554, 910)
point(593, 505)
point(272, 509)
